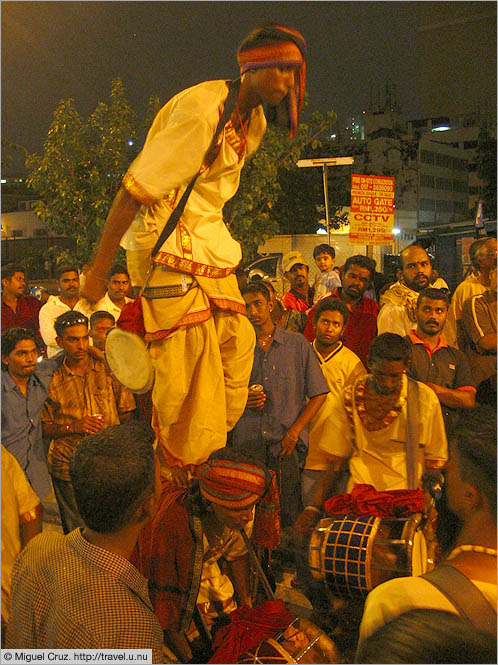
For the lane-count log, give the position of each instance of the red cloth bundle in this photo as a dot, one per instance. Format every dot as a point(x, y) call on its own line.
point(249, 626)
point(131, 317)
point(366, 500)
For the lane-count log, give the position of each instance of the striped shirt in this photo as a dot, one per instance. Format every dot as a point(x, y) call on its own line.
point(70, 594)
point(70, 397)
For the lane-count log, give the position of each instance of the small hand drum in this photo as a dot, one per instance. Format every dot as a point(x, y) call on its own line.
point(129, 360)
point(353, 554)
point(300, 642)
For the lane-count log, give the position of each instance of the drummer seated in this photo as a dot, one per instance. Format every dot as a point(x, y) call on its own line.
point(471, 492)
point(80, 591)
point(83, 398)
point(100, 324)
point(193, 552)
point(368, 430)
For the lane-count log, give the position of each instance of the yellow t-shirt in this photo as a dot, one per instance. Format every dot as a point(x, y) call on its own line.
point(19, 501)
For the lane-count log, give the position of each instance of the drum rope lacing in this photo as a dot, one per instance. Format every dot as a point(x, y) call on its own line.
point(480, 549)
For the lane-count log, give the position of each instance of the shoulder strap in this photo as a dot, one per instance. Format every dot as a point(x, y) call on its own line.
point(412, 433)
point(233, 93)
point(465, 596)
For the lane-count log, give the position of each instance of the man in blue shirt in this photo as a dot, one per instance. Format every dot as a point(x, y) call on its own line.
point(24, 390)
point(273, 427)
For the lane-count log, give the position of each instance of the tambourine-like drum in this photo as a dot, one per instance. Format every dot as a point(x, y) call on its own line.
point(353, 554)
point(300, 642)
point(129, 360)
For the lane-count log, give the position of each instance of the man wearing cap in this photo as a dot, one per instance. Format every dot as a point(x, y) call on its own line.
point(181, 551)
point(201, 343)
point(300, 295)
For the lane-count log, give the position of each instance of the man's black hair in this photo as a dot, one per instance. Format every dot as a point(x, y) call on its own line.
point(331, 305)
point(257, 287)
point(68, 319)
point(119, 269)
point(112, 473)
point(67, 268)
point(324, 249)
point(361, 261)
point(390, 346)
point(433, 294)
point(476, 444)
point(10, 269)
point(101, 314)
point(12, 336)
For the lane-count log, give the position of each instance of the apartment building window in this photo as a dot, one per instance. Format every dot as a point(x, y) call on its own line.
point(427, 157)
point(460, 207)
point(17, 233)
point(444, 206)
point(460, 186)
point(469, 145)
point(443, 183)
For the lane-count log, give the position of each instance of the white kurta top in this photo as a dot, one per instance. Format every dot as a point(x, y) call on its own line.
point(378, 457)
point(173, 152)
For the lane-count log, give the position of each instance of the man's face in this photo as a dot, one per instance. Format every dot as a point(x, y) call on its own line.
point(233, 519)
point(257, 308)
point(329, 327)
point(324, 262)
point(486, 255)
point(118, 287)
point(75, 341)
point(355, 281)
point(416, 270)
point(21, 362)
point(99, 331)
point(69, 284)
point(298, 276)
point(14, 286)
point(272, 84)
point(387, 375)
point(431, 315)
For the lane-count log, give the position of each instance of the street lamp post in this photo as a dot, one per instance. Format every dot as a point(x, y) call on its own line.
point(324, 162)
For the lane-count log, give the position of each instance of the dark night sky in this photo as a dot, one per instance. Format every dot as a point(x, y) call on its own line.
point(57, 50)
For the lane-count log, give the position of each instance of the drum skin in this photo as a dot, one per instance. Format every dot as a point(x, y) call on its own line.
point(352, 554)
point(301, 642)
point(127, 356)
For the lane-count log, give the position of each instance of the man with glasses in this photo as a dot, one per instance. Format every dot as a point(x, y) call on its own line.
point(83, 399)
point(482, 255)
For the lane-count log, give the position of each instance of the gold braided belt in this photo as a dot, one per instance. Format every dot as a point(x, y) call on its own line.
point(172, 291)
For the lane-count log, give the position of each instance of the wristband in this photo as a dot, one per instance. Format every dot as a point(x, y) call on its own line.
point(315, 508)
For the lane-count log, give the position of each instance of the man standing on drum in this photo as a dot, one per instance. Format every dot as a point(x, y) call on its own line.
point(372, 427)
point(201, 341)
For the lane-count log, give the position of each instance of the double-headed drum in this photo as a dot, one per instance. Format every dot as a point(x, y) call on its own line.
point(300, 642)
point(352, 554)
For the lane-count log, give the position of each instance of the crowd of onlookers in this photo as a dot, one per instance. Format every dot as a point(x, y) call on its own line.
point(356, 381)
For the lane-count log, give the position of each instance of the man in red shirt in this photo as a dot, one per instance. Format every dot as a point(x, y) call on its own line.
point(300, 295)
point(18, 310)
point(361, 326)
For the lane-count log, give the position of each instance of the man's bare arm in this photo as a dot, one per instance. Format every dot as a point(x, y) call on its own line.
point(123, 211)
point(460, 399)
point(311, 409)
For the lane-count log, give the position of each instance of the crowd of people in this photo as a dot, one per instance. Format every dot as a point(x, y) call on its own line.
point(263, 410)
